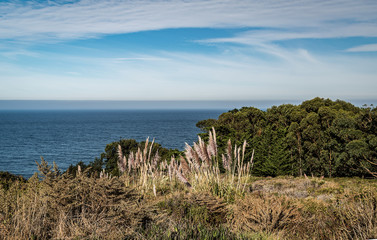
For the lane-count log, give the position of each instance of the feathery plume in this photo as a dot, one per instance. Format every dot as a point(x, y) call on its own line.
point(225, 162)
point(155, 160)
point(214, 135)
point(199, 152)
point(205, 149)
point(202, 151)
point(185, 167)
point(243, 150)
point(131, 161)
point(188, 151)
point(150, 150)
point(120, 161)
point(182, 178)
point(229, 152)
point(192, 154)
point(252, 159)
point(239, 158)
point(170, 172)
point(210, 140)
point(200, 141)
point(138, 157)
point(164, 165)
point(124, 162)
point(172, 165)
point(120, 153)
point(212, 150)
point(145, 150)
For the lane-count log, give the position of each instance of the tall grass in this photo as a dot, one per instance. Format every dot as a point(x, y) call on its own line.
point(198, 169)
point(202, 194)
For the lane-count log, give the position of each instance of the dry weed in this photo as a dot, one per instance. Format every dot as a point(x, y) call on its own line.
point(263, 213)
point(68, 207)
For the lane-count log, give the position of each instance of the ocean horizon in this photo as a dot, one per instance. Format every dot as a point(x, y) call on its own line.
point(156, 105)
point(135, 105)
point(68, 132)
point(69, 136)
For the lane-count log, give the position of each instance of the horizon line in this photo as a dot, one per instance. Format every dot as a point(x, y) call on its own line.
point(154, 104)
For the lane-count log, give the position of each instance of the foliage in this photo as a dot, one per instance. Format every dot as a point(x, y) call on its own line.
point(143, 191)
point(319, 137)
point(109, 158)
point(186, 198)
point(7, 179)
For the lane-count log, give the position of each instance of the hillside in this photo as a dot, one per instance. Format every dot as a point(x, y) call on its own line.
point(214, 189)
point(193, 198)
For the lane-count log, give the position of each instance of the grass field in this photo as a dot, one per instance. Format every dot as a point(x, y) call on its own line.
point(198, 196)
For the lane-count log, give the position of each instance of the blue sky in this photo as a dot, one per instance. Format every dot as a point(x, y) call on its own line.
point(188, 50)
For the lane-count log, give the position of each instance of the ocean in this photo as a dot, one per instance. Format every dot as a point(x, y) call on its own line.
point(70, 136)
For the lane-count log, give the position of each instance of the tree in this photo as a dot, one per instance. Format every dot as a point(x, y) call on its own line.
point(294, 140)
point(313, 137)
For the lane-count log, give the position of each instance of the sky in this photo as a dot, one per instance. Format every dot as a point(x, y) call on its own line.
point(169, 50)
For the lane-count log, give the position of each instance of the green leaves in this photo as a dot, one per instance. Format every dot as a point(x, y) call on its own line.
point(319, 137)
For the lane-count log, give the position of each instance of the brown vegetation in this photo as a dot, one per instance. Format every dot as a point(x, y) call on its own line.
point(196, 196)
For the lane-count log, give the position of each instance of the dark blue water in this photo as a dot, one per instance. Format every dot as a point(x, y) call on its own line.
point(68, 137)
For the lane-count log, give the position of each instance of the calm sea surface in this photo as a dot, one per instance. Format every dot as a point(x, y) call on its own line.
point(68, 137)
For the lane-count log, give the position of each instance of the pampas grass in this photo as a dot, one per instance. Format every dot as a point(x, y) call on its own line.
point(202, 194)
point(86, 207)
point(198, 169)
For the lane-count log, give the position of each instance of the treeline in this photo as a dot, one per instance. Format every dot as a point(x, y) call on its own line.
point(319, 137)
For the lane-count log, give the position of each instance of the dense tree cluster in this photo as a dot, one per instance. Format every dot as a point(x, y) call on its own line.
point(319, 137)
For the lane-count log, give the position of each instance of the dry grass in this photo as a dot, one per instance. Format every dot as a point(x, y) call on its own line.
point(264, 213)
point(186, 198)
point(85, 207)
point(198, 169)
point(65, 208)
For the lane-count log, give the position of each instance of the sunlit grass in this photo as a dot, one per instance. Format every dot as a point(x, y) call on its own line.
point(199, 195)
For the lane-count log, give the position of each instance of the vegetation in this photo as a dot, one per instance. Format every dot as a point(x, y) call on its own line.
point(7, 179)
point(185, 199)
point(319, 137)
point(143, 191)
point(108, 160)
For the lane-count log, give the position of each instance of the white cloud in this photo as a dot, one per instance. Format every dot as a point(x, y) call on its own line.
point(363, 48)
point(262, 36)
point(239, 73)
point(13, 54)
point(188, 76)
point(90, 18)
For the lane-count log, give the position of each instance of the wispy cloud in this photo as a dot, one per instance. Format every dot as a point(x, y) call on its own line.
point(252, 64)
point(324, 31)
point(93, 18)
point(363, 48)
point(13, 54)
point(140, 58)
point(185, 76)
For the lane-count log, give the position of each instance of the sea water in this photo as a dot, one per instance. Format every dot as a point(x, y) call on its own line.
point(67, 136)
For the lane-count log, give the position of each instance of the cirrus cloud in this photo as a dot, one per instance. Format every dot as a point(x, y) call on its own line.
point(364, 48)
point(92, 18)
